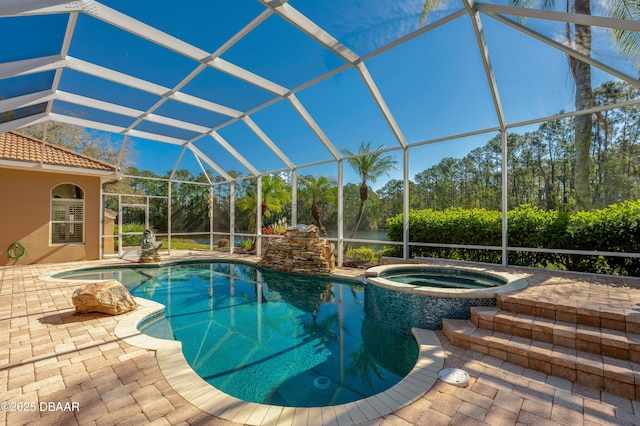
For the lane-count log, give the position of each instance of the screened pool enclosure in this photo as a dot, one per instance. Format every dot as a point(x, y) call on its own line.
point(233, 120)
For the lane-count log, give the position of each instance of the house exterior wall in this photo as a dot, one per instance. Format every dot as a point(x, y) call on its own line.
point(25, 216)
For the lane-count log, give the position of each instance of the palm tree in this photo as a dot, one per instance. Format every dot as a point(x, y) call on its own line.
point(318, 190)
point(275, 193)
point(369, 167)
point(627, 42)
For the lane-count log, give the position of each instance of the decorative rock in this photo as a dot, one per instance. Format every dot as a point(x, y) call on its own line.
point(300, 251)
point(153, 258)
point(302, 231)
point(109, 297)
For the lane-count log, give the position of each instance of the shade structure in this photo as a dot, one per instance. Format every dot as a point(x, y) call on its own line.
point(264, 86)
point(257, 88)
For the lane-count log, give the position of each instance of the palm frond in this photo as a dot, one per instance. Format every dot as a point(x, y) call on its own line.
point(429, 7)
point(627, 42)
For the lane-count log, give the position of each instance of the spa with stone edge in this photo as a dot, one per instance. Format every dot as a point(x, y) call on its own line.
point(400, 297)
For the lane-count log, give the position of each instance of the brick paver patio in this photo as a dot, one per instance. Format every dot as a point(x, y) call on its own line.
point(61, 368)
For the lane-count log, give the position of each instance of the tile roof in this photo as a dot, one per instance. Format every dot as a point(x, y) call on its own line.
point(15, 146)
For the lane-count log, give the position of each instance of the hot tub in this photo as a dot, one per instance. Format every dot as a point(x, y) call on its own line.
point(400, 297)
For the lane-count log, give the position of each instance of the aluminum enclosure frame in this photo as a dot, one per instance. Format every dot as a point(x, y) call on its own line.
point(476, 12)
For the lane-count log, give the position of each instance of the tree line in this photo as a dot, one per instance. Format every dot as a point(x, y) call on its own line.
point(541, 169)
point(541, 165)
point(579, 36)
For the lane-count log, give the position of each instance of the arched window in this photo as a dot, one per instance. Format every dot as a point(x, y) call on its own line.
point(67, 214)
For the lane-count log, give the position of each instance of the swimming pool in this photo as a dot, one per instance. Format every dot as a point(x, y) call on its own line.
point(269, 337)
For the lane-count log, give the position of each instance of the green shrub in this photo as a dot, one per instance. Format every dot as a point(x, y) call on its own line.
point(533, 227)
point(363, 255)
point(223, 242)
point(452, 226)
point(130, 240)
point(245, 244)
point(394, 251)
point(615, 228)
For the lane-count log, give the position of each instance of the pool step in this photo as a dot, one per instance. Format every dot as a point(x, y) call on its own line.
point(602, 341)
point(609, 315)
point(614, 375)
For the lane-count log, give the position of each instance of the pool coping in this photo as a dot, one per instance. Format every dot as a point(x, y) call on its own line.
point(186, 382)
point(513, 282)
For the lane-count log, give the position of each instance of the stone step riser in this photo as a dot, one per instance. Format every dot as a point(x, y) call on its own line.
point(587, 315)
point(615, 376)
point(611, 343)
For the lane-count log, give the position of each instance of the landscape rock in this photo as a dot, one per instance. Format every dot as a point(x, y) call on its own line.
point(109, 297)
point(299, 251)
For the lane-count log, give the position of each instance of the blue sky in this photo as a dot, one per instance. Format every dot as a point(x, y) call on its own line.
point(434, 84)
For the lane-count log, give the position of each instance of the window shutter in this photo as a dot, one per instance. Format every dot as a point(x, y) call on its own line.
point(67, 219)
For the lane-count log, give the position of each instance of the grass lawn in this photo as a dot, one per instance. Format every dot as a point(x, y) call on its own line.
point(187, 244)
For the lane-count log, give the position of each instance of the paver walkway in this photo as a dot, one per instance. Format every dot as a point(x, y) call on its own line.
point(52, 360)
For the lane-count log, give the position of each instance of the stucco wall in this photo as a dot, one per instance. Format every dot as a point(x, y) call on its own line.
point(25, 200)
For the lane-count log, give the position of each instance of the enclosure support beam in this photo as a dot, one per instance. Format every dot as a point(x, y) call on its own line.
point(120, 226)
point(313, 126)
point(486, 61)
point(268, 142)
point(210, 211)
point(71, 24)
point(169, 218)
point(294, 197)
point(340, 213)
point(259, 217)
point(382, 105)
point(232, 216)
point(505, 201)
point(286, 11)
point(493, 86)
point(30, 66)
point(211, 163)
point(101, 227)
point(231, 150)
point(566, 50)
point(21, 122)
point(405, 205)
point(38, 7)
point(550, 15)
point(175, 168)
point(29, 99)
point(146, 213)
point(123, 147)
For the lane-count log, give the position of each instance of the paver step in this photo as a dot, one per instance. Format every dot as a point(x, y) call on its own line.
point(613, 375)
point(608, 316)
point(602, 341)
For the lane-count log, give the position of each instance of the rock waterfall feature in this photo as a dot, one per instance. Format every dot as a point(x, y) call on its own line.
point(299, 251)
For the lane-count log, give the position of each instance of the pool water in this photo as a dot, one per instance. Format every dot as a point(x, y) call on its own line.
point(445, 278)
point(269, 337)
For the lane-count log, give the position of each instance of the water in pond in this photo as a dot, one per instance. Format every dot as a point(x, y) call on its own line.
point(269, 337)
